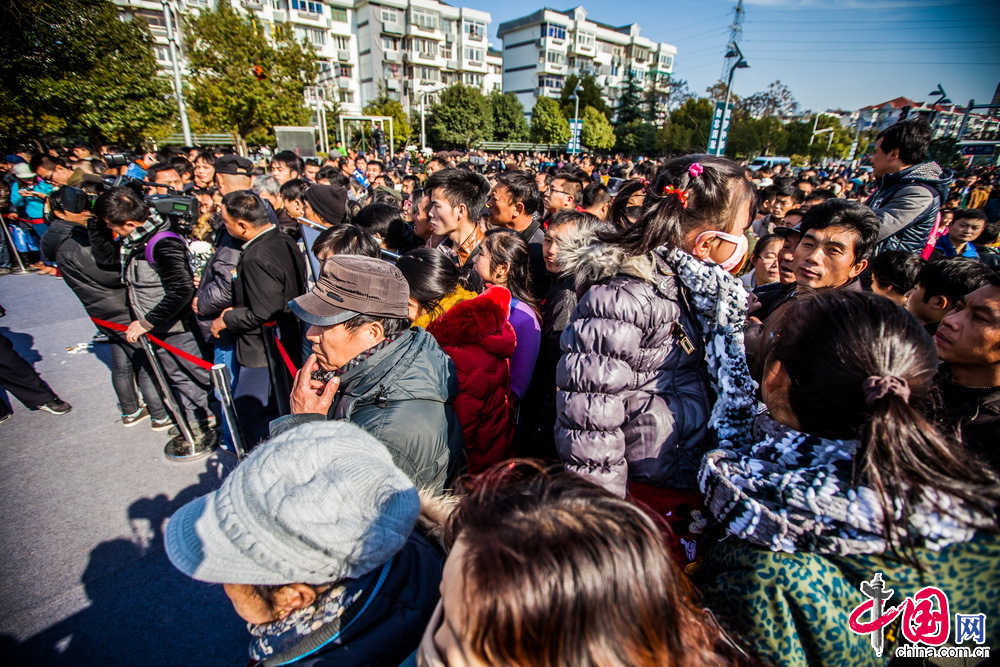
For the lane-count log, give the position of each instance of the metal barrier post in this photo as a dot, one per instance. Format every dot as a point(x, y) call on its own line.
point(182, 447)
point(224, 385)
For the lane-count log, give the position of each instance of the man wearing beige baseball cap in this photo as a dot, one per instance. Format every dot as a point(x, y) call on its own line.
point(370, 368)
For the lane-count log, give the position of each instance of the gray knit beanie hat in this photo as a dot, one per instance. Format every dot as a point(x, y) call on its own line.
point(318, 503)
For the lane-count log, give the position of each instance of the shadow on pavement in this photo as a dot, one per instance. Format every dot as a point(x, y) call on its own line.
point(142, 610)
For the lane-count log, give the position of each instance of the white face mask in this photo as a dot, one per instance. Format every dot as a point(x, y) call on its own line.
point(735, 261)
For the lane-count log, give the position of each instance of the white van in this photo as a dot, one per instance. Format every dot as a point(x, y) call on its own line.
point(769, 161)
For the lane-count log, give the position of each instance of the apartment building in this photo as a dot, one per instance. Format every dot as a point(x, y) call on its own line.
point(540, 50)
point(407, 48)
point(413, 48)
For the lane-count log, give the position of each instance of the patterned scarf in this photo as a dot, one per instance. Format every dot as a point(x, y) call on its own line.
point(720, 305)
point(795, 492)
point(277, 637)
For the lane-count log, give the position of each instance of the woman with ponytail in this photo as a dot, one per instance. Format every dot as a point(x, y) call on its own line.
point(473, 329)
point(844, 477)
point(640, 368)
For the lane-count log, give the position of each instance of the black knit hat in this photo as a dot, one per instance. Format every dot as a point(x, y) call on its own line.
point(329, 201)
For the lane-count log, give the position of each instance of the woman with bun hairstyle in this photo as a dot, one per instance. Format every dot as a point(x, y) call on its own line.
point(845, 476)
point(640, 370)
point(473, 329)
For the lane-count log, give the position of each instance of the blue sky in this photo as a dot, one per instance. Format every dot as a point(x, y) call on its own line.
point(831, 53)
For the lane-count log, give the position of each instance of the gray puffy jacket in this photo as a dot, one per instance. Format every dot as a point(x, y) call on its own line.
point(634, 398)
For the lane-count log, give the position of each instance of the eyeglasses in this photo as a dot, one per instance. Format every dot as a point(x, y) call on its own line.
point(562, 192)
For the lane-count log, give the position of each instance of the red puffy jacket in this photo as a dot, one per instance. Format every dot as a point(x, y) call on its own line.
point(480, 340)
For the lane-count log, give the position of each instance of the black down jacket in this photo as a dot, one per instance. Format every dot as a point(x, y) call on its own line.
point(633, 399)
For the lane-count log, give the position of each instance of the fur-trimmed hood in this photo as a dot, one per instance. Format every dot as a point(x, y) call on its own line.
point(482, 320)
point(590, 260)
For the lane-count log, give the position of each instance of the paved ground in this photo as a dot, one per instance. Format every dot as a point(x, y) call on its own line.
point(83, 502)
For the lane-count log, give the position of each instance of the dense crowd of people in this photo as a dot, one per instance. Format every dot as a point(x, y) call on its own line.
point(555, 411)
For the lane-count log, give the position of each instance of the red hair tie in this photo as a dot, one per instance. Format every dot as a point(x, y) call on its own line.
point(645, 184)
point(682, 195)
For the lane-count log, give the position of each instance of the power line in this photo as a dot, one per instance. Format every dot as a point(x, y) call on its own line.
point(833, 61)
point(935, 21)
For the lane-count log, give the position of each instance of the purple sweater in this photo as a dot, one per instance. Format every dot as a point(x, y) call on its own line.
point(528, 330)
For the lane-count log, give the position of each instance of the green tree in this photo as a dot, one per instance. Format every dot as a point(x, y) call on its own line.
point(597, 131)
point(461, 117)
point(653, 105)
point(590, 95)
point(223, 49)
point(689, 126)
point(548, 124)
point(637, 137)
point(678, 94)
point(777, 100)
point(401, 128)
point(71, 69)
point(630, 104)
point(509, 123)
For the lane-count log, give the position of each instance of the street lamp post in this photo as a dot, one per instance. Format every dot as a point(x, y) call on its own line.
point(740, 63)
point(181, 106)
point(576, 118)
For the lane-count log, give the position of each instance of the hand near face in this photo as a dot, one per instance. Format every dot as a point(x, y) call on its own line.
point(311, 396)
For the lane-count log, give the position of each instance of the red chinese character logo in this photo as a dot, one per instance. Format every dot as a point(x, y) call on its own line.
point(924, 623)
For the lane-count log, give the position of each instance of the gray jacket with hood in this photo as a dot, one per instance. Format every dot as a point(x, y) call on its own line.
point(402, 395)
point(907, 204)
point(633, 395)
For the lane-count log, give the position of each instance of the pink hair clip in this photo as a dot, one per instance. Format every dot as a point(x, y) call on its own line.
point(695, 169)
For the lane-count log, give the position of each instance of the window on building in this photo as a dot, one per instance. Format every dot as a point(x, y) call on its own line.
point(275, 4)
point(474, 54)
point(605, 47)
point(390, 15)
point(449, 26)
point(553, 30)
point(338, 14)
point(475, 30)
point(424, 19)
point(323, 66)
point(390, 43)
point(426, 47)
point(666, 62)
point(307, 6)
point(345, 70)
point(429, 73)
point(162, 53)
point(449, 77)
point(342, 41)
point(347, 96)
point(315, 36)
point(153, 17)
point(555, 57)
point(473, 79)
point(550, 81)
point(585, 40)
point(447, 51)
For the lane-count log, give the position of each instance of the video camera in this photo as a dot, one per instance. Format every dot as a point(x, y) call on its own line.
point(182, 210)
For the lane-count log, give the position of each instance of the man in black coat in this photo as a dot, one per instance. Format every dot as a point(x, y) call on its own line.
point(269, 274)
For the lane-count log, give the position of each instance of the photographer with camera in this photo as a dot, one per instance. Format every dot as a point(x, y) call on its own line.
point(102, 293)
point(159, 287)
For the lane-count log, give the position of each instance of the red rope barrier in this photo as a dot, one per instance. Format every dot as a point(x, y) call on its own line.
point(283, 352)
point(166, 346)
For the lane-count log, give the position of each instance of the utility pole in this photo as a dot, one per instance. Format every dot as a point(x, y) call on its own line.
point(735, 35)
point(178, 90)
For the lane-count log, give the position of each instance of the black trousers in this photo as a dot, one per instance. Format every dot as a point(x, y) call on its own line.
point(20, 379)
